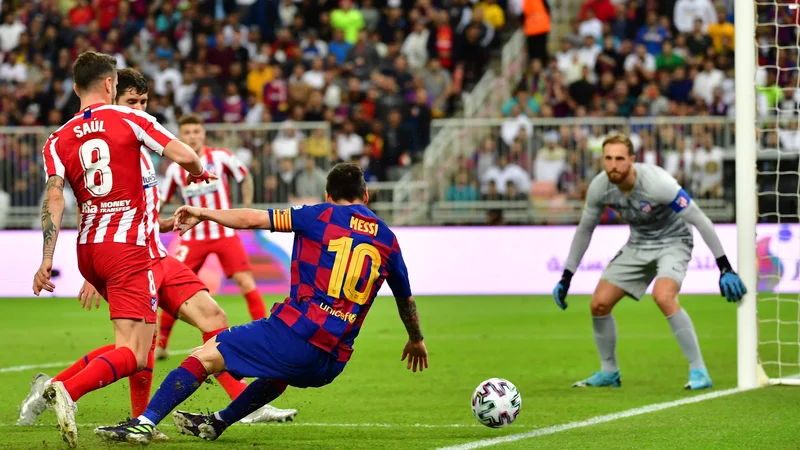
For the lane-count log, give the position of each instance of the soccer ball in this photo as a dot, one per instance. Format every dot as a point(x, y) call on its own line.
point(496, 403)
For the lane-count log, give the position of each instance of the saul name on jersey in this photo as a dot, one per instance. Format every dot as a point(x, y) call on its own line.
point(94, 126)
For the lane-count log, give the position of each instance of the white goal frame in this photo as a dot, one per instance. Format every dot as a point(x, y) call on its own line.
point(750, 373)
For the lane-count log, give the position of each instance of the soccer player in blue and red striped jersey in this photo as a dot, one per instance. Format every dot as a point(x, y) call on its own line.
point(342, 255)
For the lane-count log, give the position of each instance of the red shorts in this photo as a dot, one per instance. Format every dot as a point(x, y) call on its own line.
point(121, 274)
point(230, 251)
point(176, 284)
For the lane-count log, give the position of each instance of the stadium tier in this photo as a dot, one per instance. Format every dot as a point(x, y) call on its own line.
point(554, 192)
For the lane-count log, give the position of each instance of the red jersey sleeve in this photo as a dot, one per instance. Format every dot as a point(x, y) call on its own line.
point(234, 167)
point(149, 132)
point(52, 162)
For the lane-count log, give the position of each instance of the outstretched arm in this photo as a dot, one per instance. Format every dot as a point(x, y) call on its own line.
point(187, 217)
point(247, 191)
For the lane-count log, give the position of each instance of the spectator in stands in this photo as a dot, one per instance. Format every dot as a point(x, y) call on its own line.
point(641, 62)
point(397, 146)
point(504, 172)
point(668, 60)
point(720, 30)
point(582, 91)
point(349, 145)
point(537, 28)
point(512, 194)
point(286, 144)
point(680, 88)
point(461, 190)
point(652, 34)
point(591, 26)
point(362, 58)
point(698, 42)
point(528, 105)
point(550, 160)
point(309, 183)
point(604, 10)
point(348, 19)
point(687, 12)
point(516, 123)
point(415, 46)
point(709, 159)
point(706, 81)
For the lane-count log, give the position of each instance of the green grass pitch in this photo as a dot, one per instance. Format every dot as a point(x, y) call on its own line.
point(377, 404)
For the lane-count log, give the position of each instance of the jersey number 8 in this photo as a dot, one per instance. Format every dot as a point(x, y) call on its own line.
point(349, 274)
point(95, 158)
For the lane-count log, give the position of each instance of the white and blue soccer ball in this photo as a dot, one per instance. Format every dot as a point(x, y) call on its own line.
point(496, 403)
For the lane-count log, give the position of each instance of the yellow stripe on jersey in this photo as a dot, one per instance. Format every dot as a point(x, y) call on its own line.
point(282, 220)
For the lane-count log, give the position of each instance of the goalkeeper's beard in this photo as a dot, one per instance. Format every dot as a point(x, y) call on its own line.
point(617, 177)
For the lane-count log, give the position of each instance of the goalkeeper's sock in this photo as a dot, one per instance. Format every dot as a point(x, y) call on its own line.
point(81, 364)
point(179, 385)
point(683, 329)
point(605, 337)
point(165, 324)
point(259, 393)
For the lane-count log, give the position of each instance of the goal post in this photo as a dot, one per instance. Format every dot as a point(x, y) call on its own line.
point(746, 191)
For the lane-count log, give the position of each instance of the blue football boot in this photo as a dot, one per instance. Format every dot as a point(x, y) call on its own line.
point(698, 379)
point(599, 379)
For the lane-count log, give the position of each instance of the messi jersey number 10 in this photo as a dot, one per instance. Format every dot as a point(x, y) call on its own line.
point(345, 276)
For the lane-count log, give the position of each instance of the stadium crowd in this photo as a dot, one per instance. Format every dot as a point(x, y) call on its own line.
point(634, 59)
point(378, 71)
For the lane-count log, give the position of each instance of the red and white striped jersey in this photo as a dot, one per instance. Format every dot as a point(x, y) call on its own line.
point(99, 153)
point(152, 206)
point(213, 195)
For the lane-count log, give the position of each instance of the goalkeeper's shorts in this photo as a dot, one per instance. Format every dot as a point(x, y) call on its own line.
point(633, 269)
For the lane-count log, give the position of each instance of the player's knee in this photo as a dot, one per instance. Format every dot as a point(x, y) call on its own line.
point(600, 307)
point(216, 319)
point(244, 280)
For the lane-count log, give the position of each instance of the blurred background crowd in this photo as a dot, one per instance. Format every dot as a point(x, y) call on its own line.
point(378, 73)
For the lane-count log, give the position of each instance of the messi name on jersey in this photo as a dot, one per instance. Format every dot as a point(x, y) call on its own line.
point(362, 226)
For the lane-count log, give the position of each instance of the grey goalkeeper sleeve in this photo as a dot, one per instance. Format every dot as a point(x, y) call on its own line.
point(592, 212)
point(695, 216)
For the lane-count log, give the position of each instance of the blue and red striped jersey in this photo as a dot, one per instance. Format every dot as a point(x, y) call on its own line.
point(340, 259)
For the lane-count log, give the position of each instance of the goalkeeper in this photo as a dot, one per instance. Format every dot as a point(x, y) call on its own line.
point(659, 247)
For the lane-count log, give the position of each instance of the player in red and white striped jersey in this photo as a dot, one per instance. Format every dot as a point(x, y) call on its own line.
point(99, 152)
point(208, 239)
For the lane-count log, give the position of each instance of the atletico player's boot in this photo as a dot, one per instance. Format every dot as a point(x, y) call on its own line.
point(599, 379)
point(34, 404)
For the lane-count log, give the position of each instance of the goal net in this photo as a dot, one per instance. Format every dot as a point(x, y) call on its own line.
point(769, 319)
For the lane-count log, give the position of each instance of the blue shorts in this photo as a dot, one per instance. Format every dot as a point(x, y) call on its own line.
point(268, 348)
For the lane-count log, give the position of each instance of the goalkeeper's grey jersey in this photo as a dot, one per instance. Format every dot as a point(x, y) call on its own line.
point(651, 209)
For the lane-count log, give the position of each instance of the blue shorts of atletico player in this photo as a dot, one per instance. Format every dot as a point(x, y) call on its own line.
point(268, 348)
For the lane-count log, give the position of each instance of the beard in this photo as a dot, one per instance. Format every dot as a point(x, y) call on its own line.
point(617, 177)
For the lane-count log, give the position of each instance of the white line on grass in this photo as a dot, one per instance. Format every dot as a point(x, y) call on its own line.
point(593, 421)
point(65, 363)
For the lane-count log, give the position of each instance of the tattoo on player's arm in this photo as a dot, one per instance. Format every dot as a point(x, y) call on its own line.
point(407, 308)
point(51, 214)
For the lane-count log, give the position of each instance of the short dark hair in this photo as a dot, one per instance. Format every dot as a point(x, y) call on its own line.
point(131, 80)
point(91, 67)
point(346, 182)
point(190, 119)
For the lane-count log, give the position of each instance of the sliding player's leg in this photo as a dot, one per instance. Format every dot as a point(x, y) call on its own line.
point(236, 263)
point(191, 254)
point(629, 273)
point(183, 295)
point(673, 263)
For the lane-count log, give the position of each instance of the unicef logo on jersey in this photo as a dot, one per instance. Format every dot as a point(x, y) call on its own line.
point(645, 206)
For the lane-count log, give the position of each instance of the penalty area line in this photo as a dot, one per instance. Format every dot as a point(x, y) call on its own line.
point(593, 421)
point(65, 363)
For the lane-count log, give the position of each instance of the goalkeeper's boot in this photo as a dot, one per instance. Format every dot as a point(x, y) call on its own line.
point(204, 426)
point(698, 379)
point(269, 413)
point(600, 379)
point(131, 431)
point(34, 404)
point(59, 399)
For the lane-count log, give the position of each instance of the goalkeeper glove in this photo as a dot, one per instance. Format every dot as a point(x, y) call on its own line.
point(730, 285)
point(560, 291)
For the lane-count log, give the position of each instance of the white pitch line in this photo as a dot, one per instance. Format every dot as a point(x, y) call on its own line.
point(593, 421)
point(66, 363)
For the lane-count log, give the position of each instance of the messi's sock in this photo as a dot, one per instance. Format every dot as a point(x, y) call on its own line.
point(231, 385)
point(102, 371)
point(166, 322)
point(683, 330)
point(81, 364)
point(141, 382)
point(255, 304)
point(179, 385)
point(259, 393)
point(605, 338)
